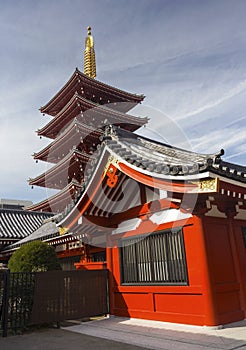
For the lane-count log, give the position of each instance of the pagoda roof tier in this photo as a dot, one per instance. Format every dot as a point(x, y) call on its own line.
point(127, 161)
point(59, 200)
point(91, 114)
point(93, 90)
point(76, 135)
point(68, 168)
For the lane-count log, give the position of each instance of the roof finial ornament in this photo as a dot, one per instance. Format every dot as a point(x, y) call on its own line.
point(89, 55)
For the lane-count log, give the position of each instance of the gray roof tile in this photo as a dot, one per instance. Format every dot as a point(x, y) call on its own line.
point(18, 224)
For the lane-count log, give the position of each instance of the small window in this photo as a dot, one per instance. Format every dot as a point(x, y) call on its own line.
point(244, 235)
point(158, 258)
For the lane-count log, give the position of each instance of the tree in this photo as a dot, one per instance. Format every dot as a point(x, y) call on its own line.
point(34, 256)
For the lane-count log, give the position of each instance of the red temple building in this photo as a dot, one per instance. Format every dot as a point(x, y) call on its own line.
point(167, 223)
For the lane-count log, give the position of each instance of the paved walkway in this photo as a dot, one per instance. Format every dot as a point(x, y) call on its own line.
point(117, 333)
point(60, 339)
point(165, 336)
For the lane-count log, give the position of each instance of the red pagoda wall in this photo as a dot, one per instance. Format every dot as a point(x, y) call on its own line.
point(215, 293)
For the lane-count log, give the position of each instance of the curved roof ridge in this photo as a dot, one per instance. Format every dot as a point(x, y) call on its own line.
point(125, 133)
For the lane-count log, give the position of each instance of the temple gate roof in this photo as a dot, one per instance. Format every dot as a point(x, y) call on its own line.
point(17, 224)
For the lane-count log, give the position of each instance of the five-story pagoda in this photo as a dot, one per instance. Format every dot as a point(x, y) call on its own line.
point(80, 111)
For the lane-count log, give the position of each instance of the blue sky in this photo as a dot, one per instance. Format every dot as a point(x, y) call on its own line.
point(188, 58)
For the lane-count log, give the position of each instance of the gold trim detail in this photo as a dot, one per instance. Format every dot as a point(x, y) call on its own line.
point(62, 230)
point(207, 186)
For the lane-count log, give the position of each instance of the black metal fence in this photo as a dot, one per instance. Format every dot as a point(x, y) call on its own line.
point(46, 297)
point(16, 297)
point(4, 293)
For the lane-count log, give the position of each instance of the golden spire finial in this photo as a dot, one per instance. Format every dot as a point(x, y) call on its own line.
point(89, 55)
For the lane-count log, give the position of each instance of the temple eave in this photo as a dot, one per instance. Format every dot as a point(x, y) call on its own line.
point(58, 201)
point(90, 113)
point(78, 80)
point(72, 136)
point(63, 172)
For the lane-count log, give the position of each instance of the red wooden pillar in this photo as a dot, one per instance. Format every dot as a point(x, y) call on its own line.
point(211, 314)
point(109, 259)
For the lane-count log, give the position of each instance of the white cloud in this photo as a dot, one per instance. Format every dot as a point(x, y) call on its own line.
point(217, 139)
point(227, 94)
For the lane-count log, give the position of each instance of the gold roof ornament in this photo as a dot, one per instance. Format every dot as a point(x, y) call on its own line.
point(89, 56)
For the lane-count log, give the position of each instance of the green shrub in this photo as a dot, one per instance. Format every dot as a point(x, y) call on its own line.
point(34, 256)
